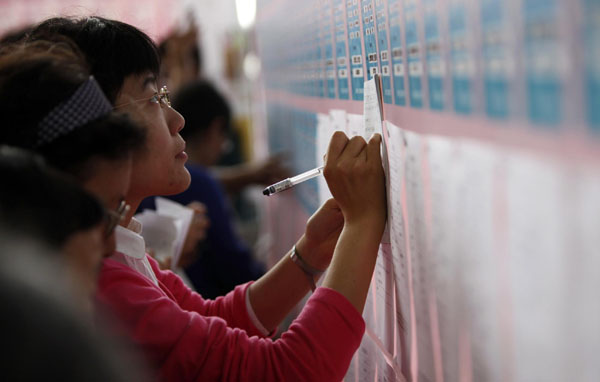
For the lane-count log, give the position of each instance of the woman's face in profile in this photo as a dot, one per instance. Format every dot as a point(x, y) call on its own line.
point(158, 169)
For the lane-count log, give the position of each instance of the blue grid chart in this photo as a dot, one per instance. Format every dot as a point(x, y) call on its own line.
point(591, 38)
point(435, 61)
point(384, 53)
point(341, 56)
point(461, 58)
point(495, 58)
point(413, 45)
point(370, 38)
point(327, 46)
point(397, 47)
point(542, 60)
point(354, 49)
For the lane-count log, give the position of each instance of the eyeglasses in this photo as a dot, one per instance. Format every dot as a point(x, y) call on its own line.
point(113, 218)
point(162, 97)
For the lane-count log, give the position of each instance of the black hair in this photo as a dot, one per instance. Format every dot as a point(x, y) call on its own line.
point(34, 78)
point(200, 103)
point(113, 49)
point(39, 202)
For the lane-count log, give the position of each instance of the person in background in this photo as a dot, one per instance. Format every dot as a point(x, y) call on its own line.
point(220, 154)
point(45, 205)
point(223, 260)
point(187, 337)
point(181, 65)
point(51, 233)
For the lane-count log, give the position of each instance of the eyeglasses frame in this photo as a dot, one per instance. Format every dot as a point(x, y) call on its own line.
point(161, 97)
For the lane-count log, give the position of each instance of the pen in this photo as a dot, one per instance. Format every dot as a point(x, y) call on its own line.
point(291, 182)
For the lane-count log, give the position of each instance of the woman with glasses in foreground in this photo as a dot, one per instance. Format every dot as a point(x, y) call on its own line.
point(186, 337)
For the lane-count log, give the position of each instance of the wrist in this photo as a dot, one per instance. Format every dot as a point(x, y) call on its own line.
point(375, 221)
point(372, 234)
point(311, 255)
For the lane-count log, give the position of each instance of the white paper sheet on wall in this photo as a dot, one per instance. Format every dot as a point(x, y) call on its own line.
point(461, 179)
point(536, 255)
point(380, 307)
point(368, 354)
point(474, 246)
point(325, 129)
point(372, 107)
point(476, 264)
point(418, 251)
point(373, 122)
point(355, 125)
point(387, 373)
point(352, 373)
point(405, 315)
point(445, 181)
point(583, 274)
point(387, 315)
point(339, 119)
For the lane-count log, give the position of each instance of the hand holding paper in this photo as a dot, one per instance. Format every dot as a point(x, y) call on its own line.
point(196, 233)
point(166, 229)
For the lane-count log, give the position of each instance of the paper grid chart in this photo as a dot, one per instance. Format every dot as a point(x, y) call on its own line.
point(490, 266)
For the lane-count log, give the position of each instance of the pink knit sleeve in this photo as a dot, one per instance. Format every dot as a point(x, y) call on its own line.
point(317, 347)
point(188, 346)
point(231, 307)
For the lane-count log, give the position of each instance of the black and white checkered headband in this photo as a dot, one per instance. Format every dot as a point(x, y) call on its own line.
point(85, 105)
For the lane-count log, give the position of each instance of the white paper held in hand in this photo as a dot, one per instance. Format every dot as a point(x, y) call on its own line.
point(373, 123)
point(166, 229)
point(159, 232)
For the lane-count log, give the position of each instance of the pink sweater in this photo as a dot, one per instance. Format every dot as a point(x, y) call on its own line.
point(191, 339)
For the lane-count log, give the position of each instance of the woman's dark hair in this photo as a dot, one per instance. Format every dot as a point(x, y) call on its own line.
point(40, 202)
point(36, 77)
point(200, 104)
point(113, 49)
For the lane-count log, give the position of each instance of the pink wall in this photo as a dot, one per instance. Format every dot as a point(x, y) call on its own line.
point(153, 17)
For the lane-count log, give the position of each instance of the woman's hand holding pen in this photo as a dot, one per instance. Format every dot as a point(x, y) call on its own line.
point(355, 176)
point(354, 173)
